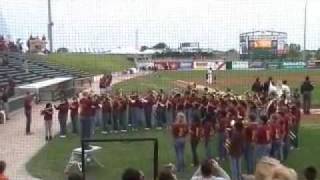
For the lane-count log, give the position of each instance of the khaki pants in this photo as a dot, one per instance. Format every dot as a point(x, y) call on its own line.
point(48, 128)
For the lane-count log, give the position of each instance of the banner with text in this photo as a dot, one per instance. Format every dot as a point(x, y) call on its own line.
point(240, 65)
point(294, 65)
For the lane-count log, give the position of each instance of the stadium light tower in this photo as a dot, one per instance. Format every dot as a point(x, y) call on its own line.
point(305, 31)
point(50, 25)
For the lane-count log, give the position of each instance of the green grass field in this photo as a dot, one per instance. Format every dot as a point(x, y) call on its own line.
point(94, 64)
point(50, 162)
point(238, 81)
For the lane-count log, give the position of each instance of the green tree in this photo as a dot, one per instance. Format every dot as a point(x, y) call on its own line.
point(160, 45)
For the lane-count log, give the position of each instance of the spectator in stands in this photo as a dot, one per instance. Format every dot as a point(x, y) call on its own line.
point(132, 174)
point(210, 170)
point(47, 113)
point(74, 176)
point(179, 132)
point(28, 109)
point(5, 60)
point(2, 169)
point(310, 173)
point(306, 91)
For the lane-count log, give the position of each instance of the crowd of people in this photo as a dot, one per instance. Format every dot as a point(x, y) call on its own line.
point(264, 122)
point(7, 45)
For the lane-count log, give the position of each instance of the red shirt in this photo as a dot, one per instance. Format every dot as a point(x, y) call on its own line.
point(3, 177)
point(236, 143)
point(195, 131)
point(179, 130)
point(207, 130)
point(224, 123)
point(28, 103)
point(285, 124)
point(263, 134)
point(250, 132)
point(74, 108)
point(47, 114)
point(63, 109)
point(85, 107)
point(276, 131)
point(106, 106)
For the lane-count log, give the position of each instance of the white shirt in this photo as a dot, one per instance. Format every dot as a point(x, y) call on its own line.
point(209, 72)
point(286, 90)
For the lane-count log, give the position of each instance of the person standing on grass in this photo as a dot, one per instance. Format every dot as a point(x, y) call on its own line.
point(2, 169)
point(249, 147)
point(74, 115)
point(63, 109)
point(47, 113)
point(257, 86)
point(180, 132)
point(195, 135)
point(27, 111)
point(306, 91)
point(85, 117)
point(263, 139)
point(208, 133)
point(236, 150)
point(106, 115)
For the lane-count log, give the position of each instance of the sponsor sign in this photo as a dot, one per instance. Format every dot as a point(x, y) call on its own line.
point(186, 66)
point(200, 65)
point(217, 65)
point(240, 65)
point(167, 65)
point(294, 65)
point(256, 65)
point(273, 65)
point(313, 65)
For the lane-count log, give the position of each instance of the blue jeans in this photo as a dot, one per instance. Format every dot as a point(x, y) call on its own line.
point(179, 146)
point(286, 148)
point(63, 124)
point(221, 148)
point(276, 149)
point(235, 164)
point(208, 144)
point(249, 156)
point(188, 113)
point(107, 121)
point(262, 150)
point(86, 125)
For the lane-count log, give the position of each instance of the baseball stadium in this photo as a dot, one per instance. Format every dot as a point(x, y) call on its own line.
point(159, 90)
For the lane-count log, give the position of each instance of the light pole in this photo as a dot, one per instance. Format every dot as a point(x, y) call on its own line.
point(305, 32)
point(50, 25)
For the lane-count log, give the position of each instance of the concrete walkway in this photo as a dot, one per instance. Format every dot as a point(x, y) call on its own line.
point(17, 149)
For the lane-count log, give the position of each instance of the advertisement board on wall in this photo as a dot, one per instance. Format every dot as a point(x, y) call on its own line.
point(186, 66)
point(217, 65)
point(240, 65)
point(200, 65)
point(313, 64)
point(294, 65)
point(257, 65)
point(167, 65)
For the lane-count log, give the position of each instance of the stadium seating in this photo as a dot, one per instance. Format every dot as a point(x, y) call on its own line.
point(37, 70)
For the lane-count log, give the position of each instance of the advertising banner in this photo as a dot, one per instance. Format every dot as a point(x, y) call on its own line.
point(200, 65)
point(313, 64)
point(240, 65)
point(294, 65)
point(186, 66)
point(273, 65)
point(257, 65)
point(217, 65)
point(167, 65)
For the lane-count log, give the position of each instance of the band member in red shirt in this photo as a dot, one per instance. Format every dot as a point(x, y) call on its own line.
point(208, 133)
point(27, 110)
point(195, 135)
point(74, 115)
point(150, 101)
point(276, 146)
point(63, 109)
point(236, 150)
point(47, 113)
point(106, 115)
point(250, 133)
point(223, 124)
point(263, 139)
point(295, 125)
point(179, 133)
point(85, 117)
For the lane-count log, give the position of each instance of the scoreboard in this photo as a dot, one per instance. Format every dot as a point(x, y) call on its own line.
point(263, 45)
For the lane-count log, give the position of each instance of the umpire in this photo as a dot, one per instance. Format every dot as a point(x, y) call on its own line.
point(306, 91)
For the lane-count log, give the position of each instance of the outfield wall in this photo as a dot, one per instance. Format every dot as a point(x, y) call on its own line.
point(221, 65)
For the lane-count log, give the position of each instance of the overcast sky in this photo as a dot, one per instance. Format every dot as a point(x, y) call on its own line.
point(112, 23)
